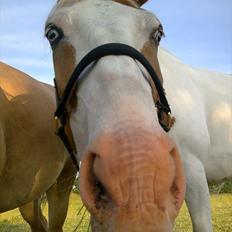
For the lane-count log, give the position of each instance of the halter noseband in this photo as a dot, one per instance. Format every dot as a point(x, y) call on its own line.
point(164, 112)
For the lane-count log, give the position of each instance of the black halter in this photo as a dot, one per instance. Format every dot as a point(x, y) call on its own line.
point(94, 55)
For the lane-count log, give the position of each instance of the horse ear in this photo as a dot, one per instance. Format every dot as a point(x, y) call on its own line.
point(141, 2)
point(133, 3)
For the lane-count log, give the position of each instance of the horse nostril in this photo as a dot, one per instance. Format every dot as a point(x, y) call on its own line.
point(102, 197)
point(94, 193)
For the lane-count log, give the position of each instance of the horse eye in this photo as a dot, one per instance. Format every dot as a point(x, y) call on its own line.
point(54, 35)
point(157, 36)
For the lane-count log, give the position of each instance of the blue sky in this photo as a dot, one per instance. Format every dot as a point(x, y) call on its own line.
point(199, 32)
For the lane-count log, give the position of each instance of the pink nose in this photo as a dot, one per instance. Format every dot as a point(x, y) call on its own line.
point(126, 174)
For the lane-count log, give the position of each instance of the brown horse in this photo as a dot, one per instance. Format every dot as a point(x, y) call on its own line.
point(32, 159)
point(131, 177)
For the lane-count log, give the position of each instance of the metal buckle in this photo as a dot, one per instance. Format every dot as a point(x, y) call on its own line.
point(166, 120)
point(57, 124)
point(170, 121)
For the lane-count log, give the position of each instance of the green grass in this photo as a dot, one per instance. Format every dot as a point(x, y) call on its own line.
point(221, 204)
point(221, 215)
point(12, 221)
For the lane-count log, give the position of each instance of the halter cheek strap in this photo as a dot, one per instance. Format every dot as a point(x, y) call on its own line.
point(164, 112)
point(61, 131)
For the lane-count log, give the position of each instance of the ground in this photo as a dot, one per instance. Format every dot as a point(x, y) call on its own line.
point(78, 218)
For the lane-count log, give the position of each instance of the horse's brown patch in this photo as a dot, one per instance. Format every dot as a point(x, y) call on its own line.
point(149, 50)
point(64, 57)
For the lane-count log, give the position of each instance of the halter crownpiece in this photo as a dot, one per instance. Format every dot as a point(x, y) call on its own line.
point(166, 119)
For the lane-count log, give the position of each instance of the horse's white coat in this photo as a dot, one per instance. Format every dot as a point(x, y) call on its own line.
point(200, 100)
point(91, 23)
point(96, 24)
point(202, 104)
point(118, 90)
point(204, 114)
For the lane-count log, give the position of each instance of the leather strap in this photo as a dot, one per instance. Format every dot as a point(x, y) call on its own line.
point(61, 123)
point(106, 50)
point(164, 112)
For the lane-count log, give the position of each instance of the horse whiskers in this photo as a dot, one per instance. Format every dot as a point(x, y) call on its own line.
point(78, 213)
point(82, 218)
point(88, 230)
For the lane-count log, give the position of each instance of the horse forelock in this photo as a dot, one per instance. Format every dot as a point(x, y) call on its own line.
point(132, 3)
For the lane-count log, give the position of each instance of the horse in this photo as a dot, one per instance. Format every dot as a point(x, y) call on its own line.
point(114, 119)
point(201, 101)
point(33, 161)
point(115, 116)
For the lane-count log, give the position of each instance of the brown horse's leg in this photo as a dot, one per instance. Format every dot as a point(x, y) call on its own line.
point(2, 150)
point(32, 214)
point(58, 198)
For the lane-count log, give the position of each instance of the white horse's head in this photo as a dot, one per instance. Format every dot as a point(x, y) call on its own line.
point(131, 176)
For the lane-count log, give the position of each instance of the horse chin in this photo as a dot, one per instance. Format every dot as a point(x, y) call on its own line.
point(120, 220)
